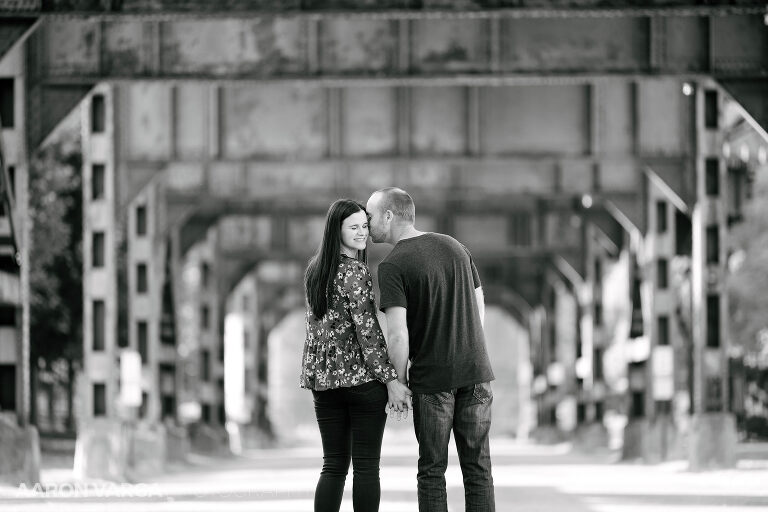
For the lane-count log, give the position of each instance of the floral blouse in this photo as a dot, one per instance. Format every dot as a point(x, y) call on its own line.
point(346, 347)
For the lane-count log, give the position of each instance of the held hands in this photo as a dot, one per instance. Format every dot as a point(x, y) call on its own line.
point(399, 399)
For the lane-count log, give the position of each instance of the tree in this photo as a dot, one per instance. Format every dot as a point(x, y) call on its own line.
point(748, 281)
point(56, 267)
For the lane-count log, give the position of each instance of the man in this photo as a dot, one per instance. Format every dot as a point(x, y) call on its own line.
point(433, 301)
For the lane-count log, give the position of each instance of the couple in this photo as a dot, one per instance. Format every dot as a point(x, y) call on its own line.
point(433, 301)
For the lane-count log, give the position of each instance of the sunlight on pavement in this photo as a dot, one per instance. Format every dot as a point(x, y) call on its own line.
point(527, 478)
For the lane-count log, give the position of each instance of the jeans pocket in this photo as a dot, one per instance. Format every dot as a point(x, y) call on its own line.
point(482, 392)
point(436, 398)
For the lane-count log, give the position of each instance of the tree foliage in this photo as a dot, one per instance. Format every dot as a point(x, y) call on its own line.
point(56, 275)
point(748, 282)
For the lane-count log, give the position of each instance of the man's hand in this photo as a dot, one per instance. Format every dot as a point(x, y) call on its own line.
point(399, 399)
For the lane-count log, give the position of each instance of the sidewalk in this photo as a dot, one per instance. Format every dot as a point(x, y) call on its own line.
point(527, 477)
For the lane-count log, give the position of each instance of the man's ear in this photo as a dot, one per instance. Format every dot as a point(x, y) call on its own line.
point(389, 215)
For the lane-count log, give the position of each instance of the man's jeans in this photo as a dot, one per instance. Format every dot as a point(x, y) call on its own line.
point(467, 411)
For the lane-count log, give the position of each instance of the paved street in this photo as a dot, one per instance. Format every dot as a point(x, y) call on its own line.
point(528, 478)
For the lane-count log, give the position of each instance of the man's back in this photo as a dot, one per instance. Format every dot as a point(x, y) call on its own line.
point(434, 278)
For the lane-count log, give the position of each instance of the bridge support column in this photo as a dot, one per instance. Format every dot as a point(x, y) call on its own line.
point(591, 433)
point(639, 385)
point(128, 307)
point(100, 450)
point(536, 327)
point(557, 403)
point(713, 430)
point(20, 451)
point(203, 331)
point(242, 305)
point(544, 387)
point(656, 434)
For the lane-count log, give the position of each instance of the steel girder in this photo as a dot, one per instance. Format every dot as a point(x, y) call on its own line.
point(72, 50)
point(402, 48)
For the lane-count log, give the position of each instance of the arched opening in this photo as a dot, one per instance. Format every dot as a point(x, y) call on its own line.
point(289, 407)
point(508, 343)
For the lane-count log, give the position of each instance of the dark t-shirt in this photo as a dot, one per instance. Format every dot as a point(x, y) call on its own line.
point(434, 278)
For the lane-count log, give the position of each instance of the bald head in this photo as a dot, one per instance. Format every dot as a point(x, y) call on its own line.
point(398, 201)
point(390, 214)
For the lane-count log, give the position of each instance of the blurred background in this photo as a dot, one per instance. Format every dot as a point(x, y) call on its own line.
point(167, 165)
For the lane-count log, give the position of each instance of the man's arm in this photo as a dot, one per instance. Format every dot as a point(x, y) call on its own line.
point(397, 340)
point(480, 306)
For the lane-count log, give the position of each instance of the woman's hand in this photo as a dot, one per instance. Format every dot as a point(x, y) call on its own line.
point(399, 399)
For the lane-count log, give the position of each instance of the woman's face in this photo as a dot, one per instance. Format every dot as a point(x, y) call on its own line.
point(354, 233)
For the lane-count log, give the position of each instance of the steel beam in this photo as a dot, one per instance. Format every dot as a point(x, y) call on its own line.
point(387, 9)
point(89, 49)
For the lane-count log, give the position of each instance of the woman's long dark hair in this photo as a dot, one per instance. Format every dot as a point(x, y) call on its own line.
point(323, 266)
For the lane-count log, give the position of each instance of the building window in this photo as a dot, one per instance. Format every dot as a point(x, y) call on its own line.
point(142, 284)
point(714, 395)
point(97, 249)
point(552, 340)
point(205, 275)
point(598, 364)
point(98, 113)
point(7, 387)
point(712, 176)
point(142, 335)
point(99, 333)
point(662, 274)
point(222, 412)
point(661, 216)
point(167, 391)
point(598, 272)
point(713, 321)
point(205, 413)
point(12, 179)
point(663, 407)
point(598, 313)
point(519, 230)
point(205, 365)
point(663, 330)
point(168, 406)
point(7, 315)
point(683, 234)
point(636, 372)
point(713, 244)
point(97, 181)
point(7, 95)
point(205, 318)
point(8, 263)
point(99, 399)
point(141, 220)
point(599, 410)
point(710, 109)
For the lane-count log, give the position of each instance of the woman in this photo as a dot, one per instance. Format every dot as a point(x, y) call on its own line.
point(345, 361)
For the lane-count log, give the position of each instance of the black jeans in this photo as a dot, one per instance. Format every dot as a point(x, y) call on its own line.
point(351, 422)
point(466, 411)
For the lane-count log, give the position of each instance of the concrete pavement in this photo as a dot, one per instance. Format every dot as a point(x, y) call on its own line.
point(527, 478)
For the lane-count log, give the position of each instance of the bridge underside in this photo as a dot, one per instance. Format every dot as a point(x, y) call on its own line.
point(568, 148)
